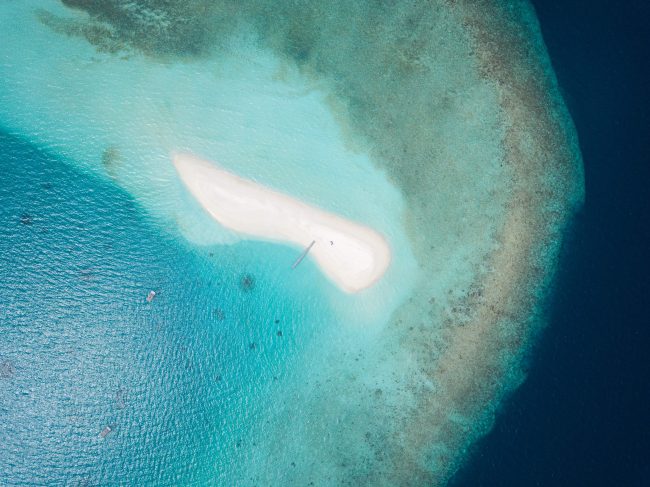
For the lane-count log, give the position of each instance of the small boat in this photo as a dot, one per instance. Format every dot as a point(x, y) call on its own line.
point(304, 254)
point(150, 296)
point(105, 432)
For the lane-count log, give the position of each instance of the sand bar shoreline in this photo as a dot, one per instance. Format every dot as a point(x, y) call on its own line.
point(352, 255)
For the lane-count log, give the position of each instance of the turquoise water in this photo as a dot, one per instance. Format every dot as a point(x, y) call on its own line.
point(449, 138)
point(121, 117)
point(173, 378)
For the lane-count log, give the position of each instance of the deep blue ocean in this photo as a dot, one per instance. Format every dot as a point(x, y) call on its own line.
point(581, 417)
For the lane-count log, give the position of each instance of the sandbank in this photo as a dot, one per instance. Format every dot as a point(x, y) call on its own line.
point(352, 255)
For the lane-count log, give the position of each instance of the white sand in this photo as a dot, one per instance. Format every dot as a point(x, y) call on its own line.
point(351, 255)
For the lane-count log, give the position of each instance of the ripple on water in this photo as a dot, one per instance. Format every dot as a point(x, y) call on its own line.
point(452, 127)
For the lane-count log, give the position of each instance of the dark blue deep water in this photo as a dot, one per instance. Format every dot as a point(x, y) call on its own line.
point(581, 418)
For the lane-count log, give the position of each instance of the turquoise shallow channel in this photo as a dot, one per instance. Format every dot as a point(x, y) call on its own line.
point(437, 124)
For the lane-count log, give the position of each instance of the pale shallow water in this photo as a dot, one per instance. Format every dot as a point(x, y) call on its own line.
point(385, 387)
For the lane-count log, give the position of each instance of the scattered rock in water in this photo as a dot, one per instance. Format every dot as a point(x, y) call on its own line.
point(7, 369)
point(26, 219)
point(277, 321)
point(279, 333)
point(252, 346)
point(46, 186)
point(111, 160)
point(120, 398)
point(218, 312)
point(87, 274)
point(247, 282)
point(218, 378)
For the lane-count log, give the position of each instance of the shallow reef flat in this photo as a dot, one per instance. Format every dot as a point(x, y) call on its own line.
point(450, 113)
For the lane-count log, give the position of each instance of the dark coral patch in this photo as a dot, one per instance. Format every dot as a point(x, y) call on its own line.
point(26, 219)
point(7, 369)
point(247, 282)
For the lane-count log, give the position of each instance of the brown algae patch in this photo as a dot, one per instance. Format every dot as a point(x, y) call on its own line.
point(456, 101)
point(161, 29)
point(111, 161)
point(101, 35)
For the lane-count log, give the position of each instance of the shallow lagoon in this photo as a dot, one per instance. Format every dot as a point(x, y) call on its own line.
point(466, 165)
